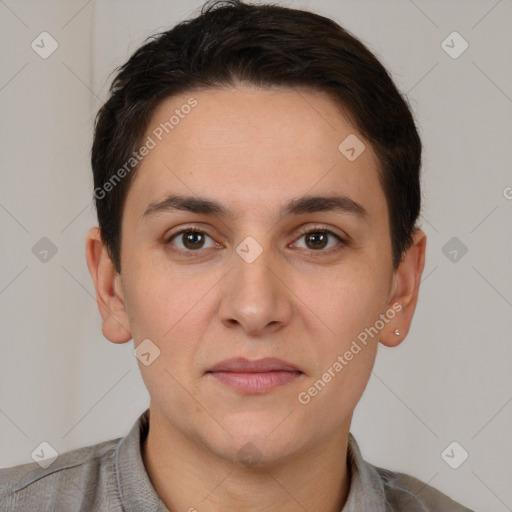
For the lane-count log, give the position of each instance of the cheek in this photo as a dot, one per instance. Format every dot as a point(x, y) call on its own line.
point(158, 299)
point(343, 356)
point(166, 309)
point(172, 310)
point(349, 304)
point(346, 300)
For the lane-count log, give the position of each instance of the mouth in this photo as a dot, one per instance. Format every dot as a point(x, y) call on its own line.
point(254, 377)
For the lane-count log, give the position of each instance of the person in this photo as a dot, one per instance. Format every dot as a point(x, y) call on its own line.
point(257, 185)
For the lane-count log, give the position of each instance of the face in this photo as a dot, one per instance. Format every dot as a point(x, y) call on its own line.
point(267, 280)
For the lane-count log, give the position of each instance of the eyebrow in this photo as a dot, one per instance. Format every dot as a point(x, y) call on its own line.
point(296, 206)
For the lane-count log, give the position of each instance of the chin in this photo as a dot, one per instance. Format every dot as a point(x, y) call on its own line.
point(259, 444)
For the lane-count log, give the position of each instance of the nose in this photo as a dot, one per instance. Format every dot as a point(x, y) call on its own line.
point(255, 296)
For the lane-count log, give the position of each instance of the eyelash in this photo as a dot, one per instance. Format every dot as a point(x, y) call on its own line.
point(302, 232)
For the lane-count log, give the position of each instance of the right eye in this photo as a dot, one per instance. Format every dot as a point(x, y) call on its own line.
point(191, 240)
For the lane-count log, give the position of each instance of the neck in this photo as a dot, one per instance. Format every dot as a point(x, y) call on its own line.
point(188, 476)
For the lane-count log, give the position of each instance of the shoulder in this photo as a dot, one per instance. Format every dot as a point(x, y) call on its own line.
point(83, 476)
point(406, 493)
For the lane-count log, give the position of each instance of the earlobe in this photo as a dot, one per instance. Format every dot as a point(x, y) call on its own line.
point(109, 292)
point(405, 291)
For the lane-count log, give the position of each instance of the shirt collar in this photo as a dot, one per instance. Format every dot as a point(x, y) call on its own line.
point(135, 488)
point(366, 490)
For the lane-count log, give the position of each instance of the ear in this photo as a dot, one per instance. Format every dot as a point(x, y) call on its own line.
point(109, 291)
point(404, 292)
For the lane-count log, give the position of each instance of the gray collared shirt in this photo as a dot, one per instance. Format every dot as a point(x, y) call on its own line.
point(111, 476)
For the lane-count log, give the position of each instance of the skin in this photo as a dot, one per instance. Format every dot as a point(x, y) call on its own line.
point(253, 149)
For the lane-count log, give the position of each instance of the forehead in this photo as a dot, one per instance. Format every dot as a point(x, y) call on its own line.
point(254, 149)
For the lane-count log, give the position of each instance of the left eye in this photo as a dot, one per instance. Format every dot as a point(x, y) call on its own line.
point(317, 239)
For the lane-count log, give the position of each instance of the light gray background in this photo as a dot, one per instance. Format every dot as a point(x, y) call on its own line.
point(62, 382)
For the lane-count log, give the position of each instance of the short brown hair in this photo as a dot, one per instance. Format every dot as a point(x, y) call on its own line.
point(264, 45)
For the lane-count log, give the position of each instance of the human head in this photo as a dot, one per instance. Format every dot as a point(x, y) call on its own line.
point(258, 148)
point(264, 45)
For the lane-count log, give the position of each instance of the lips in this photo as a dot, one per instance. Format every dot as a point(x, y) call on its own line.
point(242, 365)
point(254, 377)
